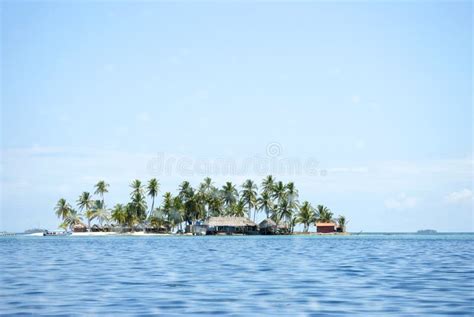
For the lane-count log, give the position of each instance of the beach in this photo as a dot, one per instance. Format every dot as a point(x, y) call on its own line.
point(141, 234)
point(105, 234)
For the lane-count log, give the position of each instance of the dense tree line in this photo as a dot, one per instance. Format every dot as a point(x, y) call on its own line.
point(277, 200)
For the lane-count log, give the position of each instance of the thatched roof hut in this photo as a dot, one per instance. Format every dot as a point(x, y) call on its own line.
point(268, 226)
point(157, 229)
point(96, 228)
point(230, 222)
point(80, 227)
point(267, 223)
point(230, 225)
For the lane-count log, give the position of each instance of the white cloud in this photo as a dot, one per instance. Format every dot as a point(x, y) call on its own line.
point(400, 202)
point(463, 196)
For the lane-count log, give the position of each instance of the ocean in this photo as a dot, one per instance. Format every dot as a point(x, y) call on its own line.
point(357, 275)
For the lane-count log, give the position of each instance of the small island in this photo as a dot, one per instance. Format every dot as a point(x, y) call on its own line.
point(205, 210)
point(427, 231)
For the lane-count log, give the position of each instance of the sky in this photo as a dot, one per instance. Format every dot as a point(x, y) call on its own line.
point(366, 106)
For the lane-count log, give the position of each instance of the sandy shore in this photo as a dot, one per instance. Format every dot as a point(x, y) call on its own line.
point(96, 234)
point(100, 234)
point(141, 233)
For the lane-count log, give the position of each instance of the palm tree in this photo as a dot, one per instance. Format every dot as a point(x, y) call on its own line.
point(293, 222)
point(215, 203)
point(100, 213)
point(152, 191)
point(291, 193)
point(62, 208)
point(324, 214)
point(159, 219)
point(230, 194)
point(90, 215)
point(277, 200)
point(85, 201)
point(135, 212)
point(205, 197)
point(306, 215)
point(176, 216)
point(268, 184)
point(167, 204)
point(201, 201)
point(238, 209)
point(137, 188)
point(341, 221)
point(185, 191)
point(100, 189)
point(85, 204)
point(207, 184)
point(72, 218)
point(119, 214)
point(192, 210)
point(136, 208)
point(131, 216)
point(265, 203)
point(249, 196)
point(279, 191)
point(285, 211)
point(139, 204)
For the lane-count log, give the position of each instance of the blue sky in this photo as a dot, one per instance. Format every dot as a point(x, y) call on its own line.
point(378, 94)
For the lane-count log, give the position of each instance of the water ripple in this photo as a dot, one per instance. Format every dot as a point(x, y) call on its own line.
point(238, 276)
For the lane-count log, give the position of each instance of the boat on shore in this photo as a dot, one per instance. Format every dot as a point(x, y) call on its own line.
point(47, 233)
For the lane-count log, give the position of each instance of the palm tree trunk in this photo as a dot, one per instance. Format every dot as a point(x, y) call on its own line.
point(152, 205)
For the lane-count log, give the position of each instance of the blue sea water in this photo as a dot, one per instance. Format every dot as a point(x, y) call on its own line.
point(366, 275)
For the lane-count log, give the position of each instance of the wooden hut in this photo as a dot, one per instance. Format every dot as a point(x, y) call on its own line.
point(96, 228)
point(107, 228)
point(230, 225)
point(325, 227)
point(283, 228)
point(79, 228)
point(157, 229)
point(268, 226)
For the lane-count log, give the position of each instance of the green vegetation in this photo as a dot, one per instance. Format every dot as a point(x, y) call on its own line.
point(277, 200)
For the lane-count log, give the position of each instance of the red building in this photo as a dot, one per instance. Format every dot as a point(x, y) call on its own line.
point(325, 227)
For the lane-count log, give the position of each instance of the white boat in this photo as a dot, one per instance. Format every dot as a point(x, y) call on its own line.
point(47, 233)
